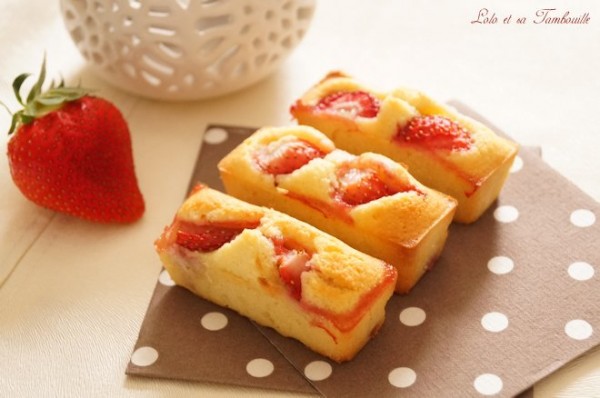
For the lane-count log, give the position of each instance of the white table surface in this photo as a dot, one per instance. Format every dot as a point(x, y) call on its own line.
point(73, 294)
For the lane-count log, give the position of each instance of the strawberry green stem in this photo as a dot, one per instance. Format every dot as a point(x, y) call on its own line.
point(39, 102)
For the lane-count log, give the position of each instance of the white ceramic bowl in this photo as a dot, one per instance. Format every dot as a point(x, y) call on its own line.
point(185, 49)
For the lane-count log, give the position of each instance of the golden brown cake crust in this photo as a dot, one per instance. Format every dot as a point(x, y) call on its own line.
point(343, 291)
point(461, 174)
point(407, 228)
point(317, 179)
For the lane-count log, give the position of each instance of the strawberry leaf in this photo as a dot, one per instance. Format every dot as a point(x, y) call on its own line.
point(17, 83)
point(13, 123)
point(50, 100)
point(26, 118)
point(39, 103)
point(37, 87)
point(67, 93)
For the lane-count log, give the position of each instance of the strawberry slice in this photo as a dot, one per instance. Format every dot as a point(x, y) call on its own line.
point(291, 267)
point(351, 104)
point(361, 185)
point(435, 132)
point(292, 262)
point(210, 237)
point(285, 156)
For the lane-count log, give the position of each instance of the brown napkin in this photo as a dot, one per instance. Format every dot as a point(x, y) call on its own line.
point(193, 339)
point(513, 297)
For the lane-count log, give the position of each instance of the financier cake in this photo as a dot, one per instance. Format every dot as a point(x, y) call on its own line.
point(442, 148)
point(278, 271)
point(368, 201)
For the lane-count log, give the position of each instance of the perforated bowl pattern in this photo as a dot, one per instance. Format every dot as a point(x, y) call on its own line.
point(185, 49)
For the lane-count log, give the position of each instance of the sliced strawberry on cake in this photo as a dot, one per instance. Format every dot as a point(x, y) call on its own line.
point(368, 201)
point(441, 147)
point(277, 271)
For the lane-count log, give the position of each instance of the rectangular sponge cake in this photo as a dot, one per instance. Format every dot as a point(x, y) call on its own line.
point(442, 148)
point(277, 271)
point(368, 201)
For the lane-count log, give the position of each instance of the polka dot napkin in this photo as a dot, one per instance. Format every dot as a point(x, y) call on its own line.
point(513, 298)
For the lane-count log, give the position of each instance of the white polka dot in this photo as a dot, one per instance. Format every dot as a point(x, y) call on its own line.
point(517, 165)
point(165, 279)
point(494, 322)
point(500, 265)
point(144, 356)
point(412, 316)
point(260, 367)
point(506, 214)
point(581, 271)
point(402, 377)
point(318, 370)
point(215, 135)
point(583, 218)
point(214, 321)
point(578, 329)
point(488, 384)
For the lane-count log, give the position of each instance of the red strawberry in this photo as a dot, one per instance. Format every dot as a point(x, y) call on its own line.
point(359, 186)
point(352, 104)
point(71, 153)
point(206, 238)
point(283, 157)
point(435, 132)
point(292, 263)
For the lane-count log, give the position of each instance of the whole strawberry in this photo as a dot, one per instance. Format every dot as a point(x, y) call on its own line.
point(71, 152)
